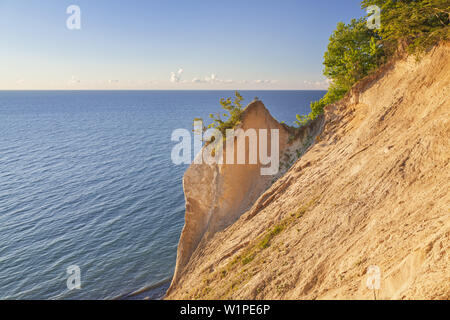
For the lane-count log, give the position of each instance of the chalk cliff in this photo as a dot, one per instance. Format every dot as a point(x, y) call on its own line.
point(217, 194)
point(372, 190)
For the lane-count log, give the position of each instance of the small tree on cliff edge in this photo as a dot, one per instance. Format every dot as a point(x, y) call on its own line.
point(231, 117)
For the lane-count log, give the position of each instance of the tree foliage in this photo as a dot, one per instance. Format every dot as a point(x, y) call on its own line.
point(354, 50)
point(231, 117)
point(419, 23)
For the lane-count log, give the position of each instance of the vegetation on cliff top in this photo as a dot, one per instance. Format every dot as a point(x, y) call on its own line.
point(354, 50)
point(231, 117)
point(420, 24)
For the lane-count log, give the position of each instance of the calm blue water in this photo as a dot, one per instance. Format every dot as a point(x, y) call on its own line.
point(86, 179)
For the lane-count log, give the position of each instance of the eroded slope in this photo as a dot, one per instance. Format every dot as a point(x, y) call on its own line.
point(373, 190)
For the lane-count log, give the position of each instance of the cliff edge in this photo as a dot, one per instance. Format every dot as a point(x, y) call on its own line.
point(373, 190)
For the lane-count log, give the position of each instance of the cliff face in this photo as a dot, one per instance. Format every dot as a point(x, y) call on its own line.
point(372, 190)
point(217, 194)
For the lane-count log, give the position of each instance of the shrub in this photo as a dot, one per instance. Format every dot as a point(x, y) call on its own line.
point(233, 112)
point(265, 242)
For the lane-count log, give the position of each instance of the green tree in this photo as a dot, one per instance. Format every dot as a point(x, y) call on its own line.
point(231, 117)
point(419, 23)
point(353, 51)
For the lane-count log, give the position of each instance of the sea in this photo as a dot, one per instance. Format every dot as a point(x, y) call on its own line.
point(87, 182)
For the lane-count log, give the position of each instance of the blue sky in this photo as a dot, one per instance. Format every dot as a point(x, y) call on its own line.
point(168, 44)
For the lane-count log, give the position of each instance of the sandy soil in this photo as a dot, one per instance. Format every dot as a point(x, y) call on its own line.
point(373, 190)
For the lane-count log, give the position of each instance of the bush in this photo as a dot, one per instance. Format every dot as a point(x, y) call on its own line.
point(233, 114)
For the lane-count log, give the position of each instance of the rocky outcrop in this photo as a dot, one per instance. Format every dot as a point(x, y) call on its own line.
point(373, 190)
point(217, 194)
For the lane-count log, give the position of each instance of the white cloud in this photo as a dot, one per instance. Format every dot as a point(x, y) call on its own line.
point(318, 84)
point(266, 81)
point(212, 79)
point(198, 80)
point(175, 77)
point(113, 81)
point(74, 80)
point(20, 81)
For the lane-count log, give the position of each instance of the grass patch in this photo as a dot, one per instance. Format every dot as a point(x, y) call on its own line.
point(235, 271)
point(265, 242)
point(248, 258)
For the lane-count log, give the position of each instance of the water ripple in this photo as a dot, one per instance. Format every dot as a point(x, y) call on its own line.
point(86, 179)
